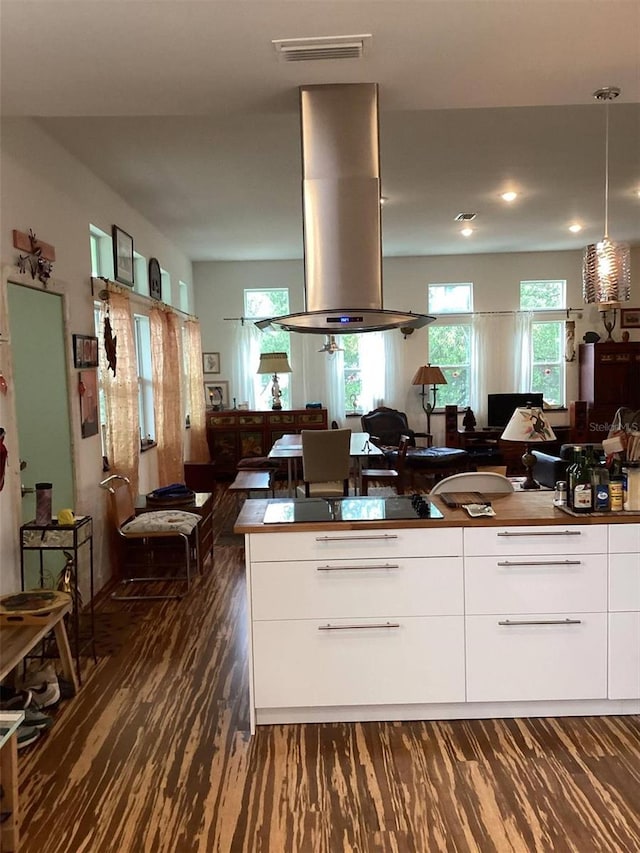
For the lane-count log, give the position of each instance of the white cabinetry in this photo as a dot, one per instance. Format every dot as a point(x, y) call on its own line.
point(624, 611)
point(535, 603)
point(357, 618)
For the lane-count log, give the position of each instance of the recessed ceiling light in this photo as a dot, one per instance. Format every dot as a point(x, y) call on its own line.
point(575, 228)
point(466, 232)
point(510, 196)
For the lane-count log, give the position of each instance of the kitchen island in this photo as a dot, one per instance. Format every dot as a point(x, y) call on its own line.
point(531, 612)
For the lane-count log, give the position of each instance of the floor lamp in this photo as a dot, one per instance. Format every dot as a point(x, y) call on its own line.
point(428, 374)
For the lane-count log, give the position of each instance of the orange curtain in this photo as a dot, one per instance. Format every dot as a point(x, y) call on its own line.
point(122, 430)
point(195, 393)
point(165, 356)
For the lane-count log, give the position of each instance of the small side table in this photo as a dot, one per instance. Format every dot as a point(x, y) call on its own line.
point(72, 538)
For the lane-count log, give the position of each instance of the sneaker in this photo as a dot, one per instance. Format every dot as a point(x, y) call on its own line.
point(15, 700)
point(27, 735)
point(44, 686)
point(36, 719)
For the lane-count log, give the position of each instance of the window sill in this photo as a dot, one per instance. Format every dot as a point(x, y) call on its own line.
point(147, 445)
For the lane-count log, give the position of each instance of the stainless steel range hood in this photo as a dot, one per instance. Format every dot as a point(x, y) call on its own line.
point(341, 215)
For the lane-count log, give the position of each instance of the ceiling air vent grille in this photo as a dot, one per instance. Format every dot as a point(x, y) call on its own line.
point(465, 217)
point(322, 47)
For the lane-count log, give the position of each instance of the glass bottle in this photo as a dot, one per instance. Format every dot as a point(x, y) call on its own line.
point(600, 486)
point(576, 453)
point(615, 485)
point(582, 490)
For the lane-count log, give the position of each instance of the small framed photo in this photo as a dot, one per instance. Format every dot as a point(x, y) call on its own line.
point(211, 362)
point(630, 318)
point(216, 394)
point(122, 256)
point(85, 351)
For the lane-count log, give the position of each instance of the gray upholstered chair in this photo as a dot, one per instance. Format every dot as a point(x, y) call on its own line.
point(325, 462)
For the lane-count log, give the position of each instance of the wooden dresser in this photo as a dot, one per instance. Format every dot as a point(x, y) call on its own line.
point(609, 378)
point(235, 434)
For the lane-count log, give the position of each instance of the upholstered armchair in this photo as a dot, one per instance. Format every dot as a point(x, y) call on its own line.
point(386, 426)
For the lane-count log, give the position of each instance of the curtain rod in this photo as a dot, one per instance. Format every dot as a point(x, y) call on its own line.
point(567, 311)
point(101, 285)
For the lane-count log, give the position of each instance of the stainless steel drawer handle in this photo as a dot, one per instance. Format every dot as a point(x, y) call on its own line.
point(545, 533)
point(352, 538)
point(328, 568)
point(330, 627)
point(542, 563)
point(510, 623)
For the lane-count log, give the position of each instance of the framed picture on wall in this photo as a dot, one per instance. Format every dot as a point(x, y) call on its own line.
point(85, 351)
point(211, 362)
point(216, 394)
point(88, 391)
point(630, 318)
point(122, 256)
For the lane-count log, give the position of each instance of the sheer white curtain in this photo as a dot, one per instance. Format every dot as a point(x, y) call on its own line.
point(372, 370)
point(493, 354)
point(246, 357)
point(522, 376)
point(395, 387)
point(334, 379)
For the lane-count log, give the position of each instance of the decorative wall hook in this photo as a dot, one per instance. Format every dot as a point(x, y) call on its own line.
point(39, 257)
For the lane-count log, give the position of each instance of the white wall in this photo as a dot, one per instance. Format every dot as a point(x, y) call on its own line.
point(218, 290)
point(46, 189)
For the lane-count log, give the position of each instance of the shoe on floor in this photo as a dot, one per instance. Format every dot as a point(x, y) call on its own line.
point(44, 686)
point(27, 735)
point(36, 719)
point(16, 700)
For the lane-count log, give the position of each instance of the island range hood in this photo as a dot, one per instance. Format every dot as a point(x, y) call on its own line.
point(341, 216)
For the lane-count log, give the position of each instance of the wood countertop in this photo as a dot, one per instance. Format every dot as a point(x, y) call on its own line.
point(517, 509)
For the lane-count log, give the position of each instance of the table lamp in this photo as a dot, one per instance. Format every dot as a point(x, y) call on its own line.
point(274, 363)
point(429, 374)
point(528, 424)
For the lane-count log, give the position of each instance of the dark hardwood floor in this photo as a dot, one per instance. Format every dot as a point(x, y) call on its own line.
point(154, 756)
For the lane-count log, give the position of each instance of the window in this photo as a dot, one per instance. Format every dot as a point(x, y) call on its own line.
point(101, 257)
point(547, 338)
point(142, 332)
point(450, 341)
point(260, 304)
point(165, 279)
point(352, 371)
point(140, 274)
point(183, 296)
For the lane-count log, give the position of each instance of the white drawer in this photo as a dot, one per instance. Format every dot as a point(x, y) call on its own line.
point(346, 544)
point(509, 663)
point(624, 656)
point(624, 538)
point(572, 539)
point(299, 664)
point(624, 582)
point(412, 586)
point(551, 584)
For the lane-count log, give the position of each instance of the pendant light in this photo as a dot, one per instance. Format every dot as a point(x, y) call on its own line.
point(606, 266)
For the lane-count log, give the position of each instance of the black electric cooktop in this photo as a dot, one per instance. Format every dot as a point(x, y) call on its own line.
point(349, 509)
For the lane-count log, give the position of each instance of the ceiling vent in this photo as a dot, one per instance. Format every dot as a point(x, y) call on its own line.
point(321, 47)
point(465, 217)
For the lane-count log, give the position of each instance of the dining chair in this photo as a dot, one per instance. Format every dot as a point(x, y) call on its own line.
point(474, 481)
point(393, 476)
point(326, 462)
point(145, 540)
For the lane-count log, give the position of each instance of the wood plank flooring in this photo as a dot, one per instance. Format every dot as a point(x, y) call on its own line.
point(154, 756)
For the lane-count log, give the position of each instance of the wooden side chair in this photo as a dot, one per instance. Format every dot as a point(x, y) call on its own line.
point(145, 539)
point(393, 476)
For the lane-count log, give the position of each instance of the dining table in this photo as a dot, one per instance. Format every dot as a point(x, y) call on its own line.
point(289, 447)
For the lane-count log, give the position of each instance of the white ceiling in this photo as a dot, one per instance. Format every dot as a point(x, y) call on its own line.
point(184, 109)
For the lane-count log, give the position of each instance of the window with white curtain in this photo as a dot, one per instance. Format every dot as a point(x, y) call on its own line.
point(546, 352)
point(364, 370)
point(260, 303)
point(450, 340)
point(142, 332)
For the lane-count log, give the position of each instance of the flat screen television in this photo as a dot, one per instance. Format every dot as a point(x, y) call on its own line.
point(500, 407)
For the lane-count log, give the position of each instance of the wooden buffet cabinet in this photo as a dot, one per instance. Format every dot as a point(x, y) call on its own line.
point(237, 434)
point(609, 378)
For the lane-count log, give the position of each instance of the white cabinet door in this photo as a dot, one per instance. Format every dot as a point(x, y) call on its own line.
point(304, 663)
point(519, 662)
point(624, 538)
point(572, 539)
point(624, 582)
point(624, 656)
point(322, 589)
point(345, 544)
point(553, 584)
